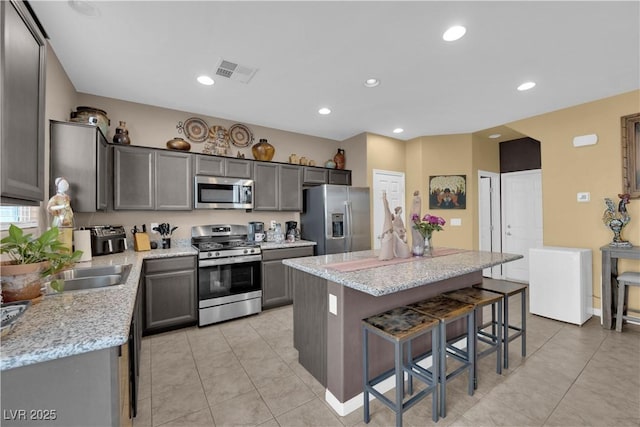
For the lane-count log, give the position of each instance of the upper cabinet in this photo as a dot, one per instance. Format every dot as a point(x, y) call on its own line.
point(22, 90)
point(150, 179)
point(223, 166)
point(339, 177)
point(80, 153)
point(277, 187)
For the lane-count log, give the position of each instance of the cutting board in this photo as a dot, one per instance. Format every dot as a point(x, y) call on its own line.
point(141, 242)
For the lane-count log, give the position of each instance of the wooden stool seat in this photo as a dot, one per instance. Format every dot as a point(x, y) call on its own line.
point(400, 326)
point(448, 310)
point(479, 299)
point(509, 289)
point(626, 279)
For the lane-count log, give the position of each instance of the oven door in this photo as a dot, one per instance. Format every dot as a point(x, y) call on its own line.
point(230, 279)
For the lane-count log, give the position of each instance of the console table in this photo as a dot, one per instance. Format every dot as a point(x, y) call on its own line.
point(610, 256)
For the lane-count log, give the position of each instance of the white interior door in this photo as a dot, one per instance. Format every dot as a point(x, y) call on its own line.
point(393, 184)
point(489, 218)
point(521, 219)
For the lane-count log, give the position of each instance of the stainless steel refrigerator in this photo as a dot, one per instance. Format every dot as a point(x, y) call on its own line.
point(337, 218)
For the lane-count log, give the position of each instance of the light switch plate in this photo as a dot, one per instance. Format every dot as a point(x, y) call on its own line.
point(333, 304)
point(584, 197)
point(456, 222)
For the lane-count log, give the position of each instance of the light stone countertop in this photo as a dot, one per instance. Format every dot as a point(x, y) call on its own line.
point(398, 277)
point(298, 243)
point(77, 322)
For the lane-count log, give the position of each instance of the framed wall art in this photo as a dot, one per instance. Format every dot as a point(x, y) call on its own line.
point(448, 192)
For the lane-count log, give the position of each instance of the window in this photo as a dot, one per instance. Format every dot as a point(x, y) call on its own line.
point(22, 216)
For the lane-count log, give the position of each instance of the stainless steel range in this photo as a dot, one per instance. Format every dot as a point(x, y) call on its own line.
point(229, 283)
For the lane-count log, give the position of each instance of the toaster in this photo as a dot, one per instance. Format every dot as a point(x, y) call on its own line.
point(107, 239)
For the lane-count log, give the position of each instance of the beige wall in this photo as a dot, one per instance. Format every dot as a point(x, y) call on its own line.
point(567, 170)
point(356, 159)
point(443, 155)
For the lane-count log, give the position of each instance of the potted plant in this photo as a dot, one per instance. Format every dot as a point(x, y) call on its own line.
point(31, 260)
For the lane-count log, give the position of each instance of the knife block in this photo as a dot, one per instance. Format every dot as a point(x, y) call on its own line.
point(141, 242)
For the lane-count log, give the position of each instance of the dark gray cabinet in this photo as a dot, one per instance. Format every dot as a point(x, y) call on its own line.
point(221, 166)
point(339, 177)
point(265, 186)
point(150, 179)
point(80, 153)
point(277, 288)
point(170, 293)
point(133, 178)
point(277, 187)
point(290, 188)
point(173, 181)
point(315, 176)
point(22, 75)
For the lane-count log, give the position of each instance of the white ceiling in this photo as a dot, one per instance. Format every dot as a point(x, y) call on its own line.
point(314, 54)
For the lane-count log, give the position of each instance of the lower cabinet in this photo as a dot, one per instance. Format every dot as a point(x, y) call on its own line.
point(276, 287)
point(170, 293)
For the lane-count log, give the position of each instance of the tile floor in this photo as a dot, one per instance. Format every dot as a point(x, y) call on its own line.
point(245, 372)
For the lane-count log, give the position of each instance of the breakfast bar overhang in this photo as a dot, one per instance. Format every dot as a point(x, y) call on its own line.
point(333, 293)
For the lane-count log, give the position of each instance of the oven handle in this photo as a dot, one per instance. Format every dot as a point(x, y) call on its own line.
point(230, 260)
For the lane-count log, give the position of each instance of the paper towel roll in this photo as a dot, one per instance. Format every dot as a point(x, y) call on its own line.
point(82, 242)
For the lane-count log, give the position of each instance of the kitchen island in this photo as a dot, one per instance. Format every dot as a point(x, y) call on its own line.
point(332, 293)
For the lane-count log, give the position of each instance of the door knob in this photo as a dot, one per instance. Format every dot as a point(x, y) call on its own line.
point(508, 234)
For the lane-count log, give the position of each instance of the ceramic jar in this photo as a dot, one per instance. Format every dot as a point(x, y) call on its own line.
point(122, 134)
point(293, 159)
point(339, 159)
point(330, 164)
point(263, 150)
point(178, 144)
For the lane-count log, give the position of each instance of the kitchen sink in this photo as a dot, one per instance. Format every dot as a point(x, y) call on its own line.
point(88, 278)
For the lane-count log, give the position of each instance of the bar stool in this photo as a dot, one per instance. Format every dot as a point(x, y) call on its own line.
point(626, 279)
point(507, 290)
point(480, 299)
point(447, 310)
point(401, 326)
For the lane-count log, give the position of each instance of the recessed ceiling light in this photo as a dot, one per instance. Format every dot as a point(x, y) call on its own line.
point(372, 82)
point(495, 135)
point(205, 80)
point(398, 130)
point(84, 7)
point(454, 33)
point(526, 86)
point(324, 111)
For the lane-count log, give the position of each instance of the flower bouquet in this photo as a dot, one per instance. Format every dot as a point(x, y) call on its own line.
point(425, 226)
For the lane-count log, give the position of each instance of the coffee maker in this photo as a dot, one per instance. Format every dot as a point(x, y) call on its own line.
point(254, 228)
point(292, 228)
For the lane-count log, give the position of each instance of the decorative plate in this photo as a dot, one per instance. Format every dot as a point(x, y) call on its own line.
point(196, 129)
point(240, 135)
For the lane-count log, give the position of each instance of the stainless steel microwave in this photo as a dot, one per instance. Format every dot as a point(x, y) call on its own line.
point(223, 193)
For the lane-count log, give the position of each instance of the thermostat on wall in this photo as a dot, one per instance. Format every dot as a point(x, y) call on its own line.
point(582, 140)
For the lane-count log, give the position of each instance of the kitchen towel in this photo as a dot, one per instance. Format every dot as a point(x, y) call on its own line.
point(82, 242)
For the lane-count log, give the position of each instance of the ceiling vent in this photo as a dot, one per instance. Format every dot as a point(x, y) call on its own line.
point(234, 71)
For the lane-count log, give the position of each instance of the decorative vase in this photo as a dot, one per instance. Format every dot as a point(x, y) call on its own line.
point(263, 150)
point(339, 159)
point(122, 134)
point(330, 164)
point(422, 246)
point(22, 281)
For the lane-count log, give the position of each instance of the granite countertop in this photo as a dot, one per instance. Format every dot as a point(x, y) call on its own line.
point(285, 244)
point(397, 277)
point(77, 322)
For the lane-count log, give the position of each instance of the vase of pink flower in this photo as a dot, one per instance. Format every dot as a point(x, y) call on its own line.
point(425, 226)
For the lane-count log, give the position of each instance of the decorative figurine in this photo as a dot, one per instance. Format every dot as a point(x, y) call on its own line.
point(616, 221)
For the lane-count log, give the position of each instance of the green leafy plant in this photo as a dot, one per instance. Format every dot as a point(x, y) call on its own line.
point(26, 249)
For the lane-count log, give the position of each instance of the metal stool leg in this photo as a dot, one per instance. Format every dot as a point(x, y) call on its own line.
point(498, 334)
point(523, 330)
point(365, 373)
point(505, 332)
point(399, 383)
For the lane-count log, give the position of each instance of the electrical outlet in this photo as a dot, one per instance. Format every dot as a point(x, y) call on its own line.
point(584, 197)
point(333, 304)
point(153, 225)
